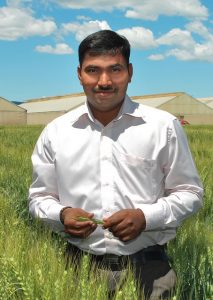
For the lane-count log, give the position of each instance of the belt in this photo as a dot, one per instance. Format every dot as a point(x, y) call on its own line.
point(120, 262)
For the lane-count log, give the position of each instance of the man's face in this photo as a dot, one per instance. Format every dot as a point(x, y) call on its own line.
point(105, 79)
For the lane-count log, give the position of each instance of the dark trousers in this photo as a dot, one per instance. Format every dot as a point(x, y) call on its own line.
point(150, 267)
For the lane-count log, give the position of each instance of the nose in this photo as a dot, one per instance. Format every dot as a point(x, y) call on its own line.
point(104, 79)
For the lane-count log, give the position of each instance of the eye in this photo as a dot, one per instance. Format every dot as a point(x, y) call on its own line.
point(91, 70)
point(116, 69)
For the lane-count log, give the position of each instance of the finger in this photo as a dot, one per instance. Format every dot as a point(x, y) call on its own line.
point(126, 238)
point(79, 233)
point(89, 224)
point(123, 236)
point(80, 226)
point(72, 223)
point(84, 224)
point(113, 220)
point(89, 232)
point(126, 234)
point(121, 233)
point(120, 227)
point(76, 232)
point(90, 215)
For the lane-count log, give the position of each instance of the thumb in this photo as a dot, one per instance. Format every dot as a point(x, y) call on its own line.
point(107, 222)
point(90, 215)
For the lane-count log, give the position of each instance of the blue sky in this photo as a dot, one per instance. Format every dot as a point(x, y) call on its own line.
point(172, 44)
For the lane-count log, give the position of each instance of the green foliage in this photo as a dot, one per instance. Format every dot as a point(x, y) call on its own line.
point(192, 248)
point(16, 147)
point(32, 263)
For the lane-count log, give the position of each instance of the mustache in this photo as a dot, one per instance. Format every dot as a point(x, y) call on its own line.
point(104, 88)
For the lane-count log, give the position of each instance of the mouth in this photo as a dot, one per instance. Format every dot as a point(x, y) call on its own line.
point(104, 91)
point(105, 94)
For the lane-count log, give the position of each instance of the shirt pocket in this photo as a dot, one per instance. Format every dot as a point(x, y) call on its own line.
point(135, 178)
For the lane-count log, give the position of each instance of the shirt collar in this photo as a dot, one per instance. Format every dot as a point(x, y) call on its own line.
point(128, 108)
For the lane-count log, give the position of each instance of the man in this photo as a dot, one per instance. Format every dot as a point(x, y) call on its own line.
point(117, 161)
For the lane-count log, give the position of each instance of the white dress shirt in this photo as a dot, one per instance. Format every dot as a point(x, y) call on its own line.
point(139, 160)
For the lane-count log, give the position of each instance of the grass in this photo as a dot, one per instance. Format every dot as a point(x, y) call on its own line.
point(32, 263)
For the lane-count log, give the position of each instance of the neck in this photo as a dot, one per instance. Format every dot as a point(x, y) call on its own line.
point(105, 117)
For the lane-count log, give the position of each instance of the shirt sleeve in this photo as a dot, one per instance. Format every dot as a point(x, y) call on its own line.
point(43, 193)
point(183, 189)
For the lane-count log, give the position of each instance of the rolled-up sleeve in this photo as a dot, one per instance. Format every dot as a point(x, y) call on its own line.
point(183, 188)
point(43, 192)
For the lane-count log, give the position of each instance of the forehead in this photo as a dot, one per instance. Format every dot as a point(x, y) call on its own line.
point(103, 60)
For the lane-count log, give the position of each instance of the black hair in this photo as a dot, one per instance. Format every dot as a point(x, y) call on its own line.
point(104, 42)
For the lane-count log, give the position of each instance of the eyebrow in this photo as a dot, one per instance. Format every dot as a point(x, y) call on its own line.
point(110, 66)
point(117, 65)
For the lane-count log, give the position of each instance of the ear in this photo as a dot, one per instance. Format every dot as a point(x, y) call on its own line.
point(79, 74)
point(130, 71)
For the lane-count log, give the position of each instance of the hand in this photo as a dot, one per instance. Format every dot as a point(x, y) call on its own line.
point(126, 224)
point(81, 229)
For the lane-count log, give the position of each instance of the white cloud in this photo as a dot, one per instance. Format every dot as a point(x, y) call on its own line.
point(180, 54)
point(101, 5)
point(199, 28)
point(152, 9)
point(83, 18)
point(17, 22)
point(186, 45)
point(200, 52)
point(143, 9)
point(156, 57)
point(139, 37)
point(82, 30)
point(59, 49)
point(176, 36)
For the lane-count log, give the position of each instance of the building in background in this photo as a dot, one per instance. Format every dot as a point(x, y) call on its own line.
point(182, 105)
point(44, 110)
point(11, 113)
point(208, 101)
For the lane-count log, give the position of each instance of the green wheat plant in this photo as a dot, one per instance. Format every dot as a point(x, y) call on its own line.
point(32, 261)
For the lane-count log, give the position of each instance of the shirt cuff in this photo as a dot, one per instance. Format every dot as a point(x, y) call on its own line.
point(154, 215)
point(52, 216)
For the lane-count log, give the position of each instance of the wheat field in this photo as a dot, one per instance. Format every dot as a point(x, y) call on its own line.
point(32, 263)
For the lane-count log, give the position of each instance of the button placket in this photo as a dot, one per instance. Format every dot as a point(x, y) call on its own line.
point(106, 171)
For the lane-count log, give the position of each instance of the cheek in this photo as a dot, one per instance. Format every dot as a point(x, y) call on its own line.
point(87, 84)
point(122, 80)
point(86, 80)
point(122, 85)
